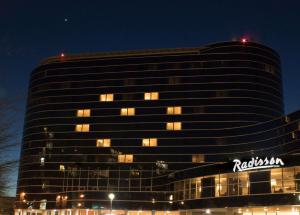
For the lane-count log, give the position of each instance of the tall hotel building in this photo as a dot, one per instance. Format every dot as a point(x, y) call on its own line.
point(186, 131)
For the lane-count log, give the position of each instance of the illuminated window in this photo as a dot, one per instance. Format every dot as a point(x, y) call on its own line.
point(174, 110)
point(42, 161)
point(269, 68)
point(127, 111)
point(82, 127)
point(61, 168)
point(276, 180)
point(125, 158)
point(287, 119)
point(22, 196)
point(199, 158)
point(107, 97)
point(151, 142)
point(103, 143)
point(84, 112)
point(174, 126)
point(151, 96)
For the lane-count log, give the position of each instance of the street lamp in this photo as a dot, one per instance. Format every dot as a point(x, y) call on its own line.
point(111, 196)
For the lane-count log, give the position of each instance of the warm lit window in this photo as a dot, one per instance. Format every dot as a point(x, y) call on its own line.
point(125, 158)
point(82, 127)
point(22, 196)
point(103, 143)
point(107, 97)
point(84, 112)
point(151, 142)
point(198, 158)
point(127, 111)
point(151, 96)
point(42, 161)
point(174, 126)
point(174, 110)
point(276, 180)
point(61, 168)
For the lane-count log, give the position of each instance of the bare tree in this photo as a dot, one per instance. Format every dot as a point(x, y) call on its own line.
point(8, 143)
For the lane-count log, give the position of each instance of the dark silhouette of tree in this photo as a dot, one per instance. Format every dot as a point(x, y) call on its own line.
point(7, 144)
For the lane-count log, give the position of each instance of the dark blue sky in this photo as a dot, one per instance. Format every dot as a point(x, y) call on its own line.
point(31, 30)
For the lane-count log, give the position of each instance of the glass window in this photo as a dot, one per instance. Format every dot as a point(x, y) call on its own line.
point(233, 185)
point(151, 96)
point(208, 187)
point(288, 175)
point(221, 94)
point(84, 112)
point(276, 180)
point(125, 158)
point(107, 97)
point(61, 168)
point(199, 158)
point(174, 126)
point(221, 185)
point(42, 161)
point(82, 127)
point(243, 183)
point(297, 179)
point(127, 111)
point(103, 143)
point(174, 110)
point(151, 142)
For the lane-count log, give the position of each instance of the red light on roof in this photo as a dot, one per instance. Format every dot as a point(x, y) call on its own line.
point(244, 40)
point(62, 54)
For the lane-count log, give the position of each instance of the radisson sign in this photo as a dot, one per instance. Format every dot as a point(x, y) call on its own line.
point(256, 163)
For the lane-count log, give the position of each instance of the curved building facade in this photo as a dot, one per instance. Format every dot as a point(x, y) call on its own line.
point(161, 130)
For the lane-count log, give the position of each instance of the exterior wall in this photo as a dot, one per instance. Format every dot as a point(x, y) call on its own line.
point(230, 99)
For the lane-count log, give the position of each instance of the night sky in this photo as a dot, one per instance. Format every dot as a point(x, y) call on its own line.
point(33, 30)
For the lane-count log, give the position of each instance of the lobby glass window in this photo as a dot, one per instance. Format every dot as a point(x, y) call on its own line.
point(84, 112)
point(107, 97)
point(187, 188)
point(127, 112)
point(260, 182)
point(174, 126)
point(276, 180)
point(208, 187)
point(149, 142)
point(176, 110)
point(199, 158)
point(103, 143)
point(151, 96)
point(179, 188)
point(297, 179)
point(199, 187)
point(288, 175)
point(82, 128)
point(125, 158)
point(61, 168)
point(194, 188)
point(103, 173)
point(234, 188)
point(243, 183)
point(221, 185)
